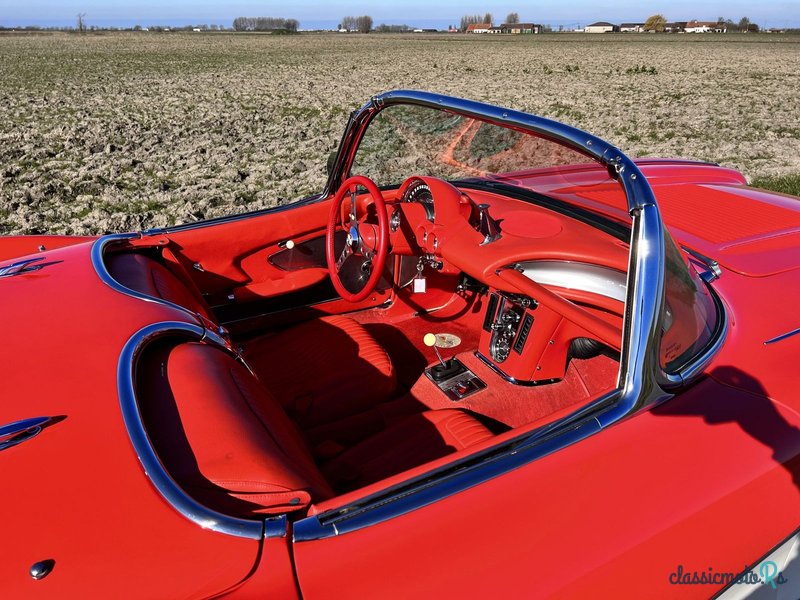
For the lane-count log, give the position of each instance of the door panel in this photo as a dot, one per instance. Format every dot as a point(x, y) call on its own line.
point(611, 516)
point(236, 252)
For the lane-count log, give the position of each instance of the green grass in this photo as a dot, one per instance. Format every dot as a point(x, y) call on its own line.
point(786, 184)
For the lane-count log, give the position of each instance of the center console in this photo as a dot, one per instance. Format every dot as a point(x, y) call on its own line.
point(454, 379)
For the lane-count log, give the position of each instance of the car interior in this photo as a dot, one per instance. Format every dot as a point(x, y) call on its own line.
point(376, 335)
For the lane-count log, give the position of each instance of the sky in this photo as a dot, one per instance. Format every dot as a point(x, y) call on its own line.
point(314, 14)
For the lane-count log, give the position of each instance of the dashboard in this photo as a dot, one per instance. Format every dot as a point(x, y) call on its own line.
point(528, 331)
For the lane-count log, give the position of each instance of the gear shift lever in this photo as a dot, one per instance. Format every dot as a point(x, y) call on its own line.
point(446, 369)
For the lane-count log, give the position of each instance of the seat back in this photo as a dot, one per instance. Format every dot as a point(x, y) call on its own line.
point(149, 277)
point(222, 436)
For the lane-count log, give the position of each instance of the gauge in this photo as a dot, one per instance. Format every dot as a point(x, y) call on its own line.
point(421, 193)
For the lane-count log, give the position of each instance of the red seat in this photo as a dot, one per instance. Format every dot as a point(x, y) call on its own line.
point(319, 370)
point(323, 370)
point(415, 440)
point(227, 442)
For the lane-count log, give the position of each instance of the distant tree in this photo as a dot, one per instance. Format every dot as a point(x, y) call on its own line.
point(81, 22)
point(264, 24)
point(487, 18)
point(512, 18)
point(348, 23)
point(384, 28)
point(744, 24)
point(364, 24)
point(468, 20)
point(655, 23)
point(137, 27)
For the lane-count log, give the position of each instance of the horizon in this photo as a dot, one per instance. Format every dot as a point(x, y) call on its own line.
point(317, 15)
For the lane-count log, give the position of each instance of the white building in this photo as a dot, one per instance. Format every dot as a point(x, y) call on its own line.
point(701, 27)
point(600, 27)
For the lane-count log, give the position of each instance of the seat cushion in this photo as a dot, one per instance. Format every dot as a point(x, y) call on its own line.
point(406, 444)
point(223, 438)
point(322, 370)
point(149, 277)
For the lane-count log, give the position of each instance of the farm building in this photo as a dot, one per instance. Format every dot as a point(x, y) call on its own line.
point(520, 28)
point(631, 27)
point(479, 28)
point(601, 27)
point(704, 27)
point(676, 27)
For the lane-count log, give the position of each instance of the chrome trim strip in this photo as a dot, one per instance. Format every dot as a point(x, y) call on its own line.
point(603, 281)
point(98, 250)
point(783, 336)
point(498, 371)
point(276, 527)
point(153, 468)
point(22, 431)
point(22, 266)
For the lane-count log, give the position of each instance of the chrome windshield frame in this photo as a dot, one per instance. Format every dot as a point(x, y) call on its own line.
point(642, 381)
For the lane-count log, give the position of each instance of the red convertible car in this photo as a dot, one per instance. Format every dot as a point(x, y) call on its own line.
point(494, 357)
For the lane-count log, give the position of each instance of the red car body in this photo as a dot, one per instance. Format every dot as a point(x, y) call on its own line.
point(706, 480)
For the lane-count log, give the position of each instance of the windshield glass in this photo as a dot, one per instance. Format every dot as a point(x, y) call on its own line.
point(405, 140)
point(690, 312)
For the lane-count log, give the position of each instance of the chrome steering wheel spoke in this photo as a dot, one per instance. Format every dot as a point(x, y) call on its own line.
point(346, 253)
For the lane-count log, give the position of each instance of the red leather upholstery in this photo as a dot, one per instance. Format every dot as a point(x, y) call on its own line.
point(149, 277)
point(413, 441)
point(223, 437)
point(320, 370)
point(227, 442)
point(323, 370)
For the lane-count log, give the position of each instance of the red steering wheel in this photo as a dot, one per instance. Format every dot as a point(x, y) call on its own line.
point(366, 249)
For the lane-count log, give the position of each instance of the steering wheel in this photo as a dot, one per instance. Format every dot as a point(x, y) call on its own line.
point(365, 251)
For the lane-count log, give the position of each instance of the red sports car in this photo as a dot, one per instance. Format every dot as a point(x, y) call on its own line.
point(494, 357)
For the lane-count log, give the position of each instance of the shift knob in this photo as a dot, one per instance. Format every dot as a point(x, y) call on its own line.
point(430, 340)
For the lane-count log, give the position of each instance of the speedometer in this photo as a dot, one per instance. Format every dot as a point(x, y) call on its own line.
point(421, 193)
